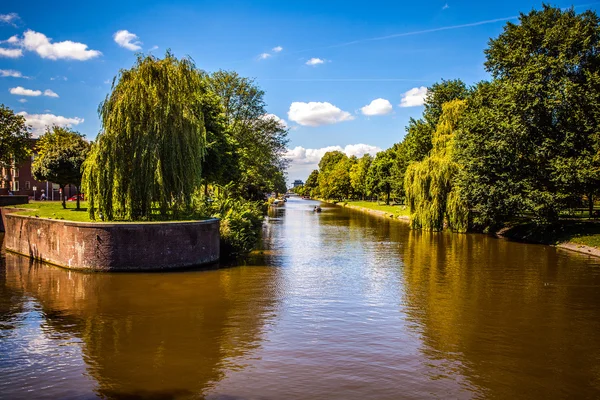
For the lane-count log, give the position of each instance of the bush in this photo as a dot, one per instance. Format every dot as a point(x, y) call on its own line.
point(241, 221)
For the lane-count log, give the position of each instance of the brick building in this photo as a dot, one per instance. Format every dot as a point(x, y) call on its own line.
point(21, 182)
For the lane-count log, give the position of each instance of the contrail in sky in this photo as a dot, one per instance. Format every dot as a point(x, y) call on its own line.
point(413, 33)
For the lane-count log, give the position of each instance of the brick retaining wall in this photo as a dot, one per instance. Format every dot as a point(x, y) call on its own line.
point(113, 246)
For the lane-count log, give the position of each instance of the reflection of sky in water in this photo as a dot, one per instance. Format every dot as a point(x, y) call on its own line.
point(38, 360)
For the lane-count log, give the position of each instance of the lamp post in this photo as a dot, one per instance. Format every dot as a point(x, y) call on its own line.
point(34, 189)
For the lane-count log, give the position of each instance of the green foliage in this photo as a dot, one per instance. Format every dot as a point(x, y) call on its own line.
point(241, 220)
point(380, 179)
point(530, 142)
point(150, 152)
point(358, 175)
point(311, 186)
point(259, 139)
point(14, 138)
point(61, 153)
point(432, 194)
point(334, 175)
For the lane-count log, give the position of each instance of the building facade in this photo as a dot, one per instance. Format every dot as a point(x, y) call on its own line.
point(19, 181)
point(297, 183)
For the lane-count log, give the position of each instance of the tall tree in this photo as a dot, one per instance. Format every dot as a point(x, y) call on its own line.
point(311, 186)
point(380, 180)
point(150, 152)
point(530, 144)
point(431, 191)
point(417, 142)
point(358, 175)
point(61, 153)
point(14, 139)
point(260, 138)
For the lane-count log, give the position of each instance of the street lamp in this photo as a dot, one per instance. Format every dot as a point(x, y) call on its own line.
point(34, 189)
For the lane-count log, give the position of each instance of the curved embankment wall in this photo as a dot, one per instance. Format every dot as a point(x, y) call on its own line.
point(113, 246)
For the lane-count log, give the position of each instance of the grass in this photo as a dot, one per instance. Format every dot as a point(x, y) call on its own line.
point(585, 233)
point(54, 210)
point(396, 210)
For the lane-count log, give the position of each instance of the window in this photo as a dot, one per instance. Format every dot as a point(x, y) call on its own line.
point(15, 172)
point(27, 185)
point(15, 186)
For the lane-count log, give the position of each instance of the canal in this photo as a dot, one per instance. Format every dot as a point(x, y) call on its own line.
point(335, 305)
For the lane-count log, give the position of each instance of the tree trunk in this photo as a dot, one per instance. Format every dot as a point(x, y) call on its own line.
point(77, 187)
point(387, 200)
point(63, 197)
point(591, 204)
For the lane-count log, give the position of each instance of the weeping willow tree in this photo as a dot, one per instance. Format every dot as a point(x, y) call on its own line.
point(148, 159)
point(433, 197)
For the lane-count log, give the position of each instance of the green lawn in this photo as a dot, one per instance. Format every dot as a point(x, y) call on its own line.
point(54, 210)
point(372, 205)
point(580, 232)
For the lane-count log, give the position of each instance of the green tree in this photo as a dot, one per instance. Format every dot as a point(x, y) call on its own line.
point(334, 175)
point(14, 139)
point(418, 140)
point(150, 152)
point(380, 180)
point(61, 153)
point(433, 196)
point(358, 175)
point(311, 186)
point(530, 143)
point(259, 138)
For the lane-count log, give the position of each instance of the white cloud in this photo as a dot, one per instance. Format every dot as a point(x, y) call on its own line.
point(22, 100)
point(277, 49)
point(414, 97)
point(317, 113)
point(264, 56)
point(153, 48)
point(14, 39)
point(303, 161)
point(127, 40)
point(21, 91)
point(50, 93)
point(11, 73)
point(39, 122)
point(11, 53)
point(446, 6)
point(377, 107)
point(58, 78)
point(315, 61)
point(9, 18)
point(276, 118)
point(43, 46)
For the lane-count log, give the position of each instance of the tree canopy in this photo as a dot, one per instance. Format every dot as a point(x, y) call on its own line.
point(61, 153)
point(14, 138)
point(149, 154)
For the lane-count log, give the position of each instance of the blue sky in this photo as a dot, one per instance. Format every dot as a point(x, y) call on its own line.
point(361, 51)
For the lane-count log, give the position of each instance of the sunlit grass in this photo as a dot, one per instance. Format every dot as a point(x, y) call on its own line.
point(396, 210)
point(54, 210)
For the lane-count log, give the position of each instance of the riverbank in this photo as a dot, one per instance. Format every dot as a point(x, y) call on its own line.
point(399, 212)
point(580, 236)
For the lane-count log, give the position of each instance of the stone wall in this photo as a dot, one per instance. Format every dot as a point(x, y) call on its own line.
point(114, 246)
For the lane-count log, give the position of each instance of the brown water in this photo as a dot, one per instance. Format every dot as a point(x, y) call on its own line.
point(340, 305)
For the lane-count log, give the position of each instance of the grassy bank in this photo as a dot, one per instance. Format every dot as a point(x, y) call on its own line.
point(568, 234)
point(54, 210)
point(396, 211)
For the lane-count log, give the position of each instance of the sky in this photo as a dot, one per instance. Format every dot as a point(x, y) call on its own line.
point(341, 75)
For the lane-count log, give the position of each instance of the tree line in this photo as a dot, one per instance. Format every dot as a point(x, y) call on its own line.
point(525, 143)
